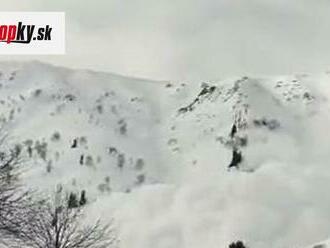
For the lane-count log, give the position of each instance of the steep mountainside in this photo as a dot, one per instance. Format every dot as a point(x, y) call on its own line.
point(194, 165)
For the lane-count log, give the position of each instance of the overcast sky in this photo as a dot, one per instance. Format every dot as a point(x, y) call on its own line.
point(190, 39)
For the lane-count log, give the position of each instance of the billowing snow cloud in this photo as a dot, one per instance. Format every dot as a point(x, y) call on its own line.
point(182, 194)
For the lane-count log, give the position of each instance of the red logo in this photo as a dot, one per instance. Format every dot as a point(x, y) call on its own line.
point(21, 33)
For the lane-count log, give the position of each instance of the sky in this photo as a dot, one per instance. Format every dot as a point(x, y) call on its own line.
point(190, 39)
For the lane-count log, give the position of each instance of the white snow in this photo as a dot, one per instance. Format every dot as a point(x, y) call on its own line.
point(188, 197)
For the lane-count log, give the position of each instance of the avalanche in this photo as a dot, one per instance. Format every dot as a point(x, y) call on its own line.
point(155, 155)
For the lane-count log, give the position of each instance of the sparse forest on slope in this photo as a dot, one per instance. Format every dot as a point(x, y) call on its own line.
point(196, 165)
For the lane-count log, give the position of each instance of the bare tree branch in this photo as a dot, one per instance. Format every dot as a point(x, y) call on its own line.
point(12, 197)
point(27, 222)
point(52, 224)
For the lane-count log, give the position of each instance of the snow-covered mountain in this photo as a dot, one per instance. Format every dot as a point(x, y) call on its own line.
point(178, 164)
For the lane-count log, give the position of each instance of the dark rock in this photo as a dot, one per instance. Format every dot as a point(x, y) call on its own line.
point(236, 159)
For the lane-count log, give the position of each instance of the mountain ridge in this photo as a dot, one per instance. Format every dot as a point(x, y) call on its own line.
point(205, 161)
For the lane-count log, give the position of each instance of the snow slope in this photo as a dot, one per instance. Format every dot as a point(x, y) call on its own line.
point(155, 155)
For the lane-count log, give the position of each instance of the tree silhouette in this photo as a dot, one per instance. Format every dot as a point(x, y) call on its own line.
point(53, 224)
point(238, 244)
point(13, 199)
